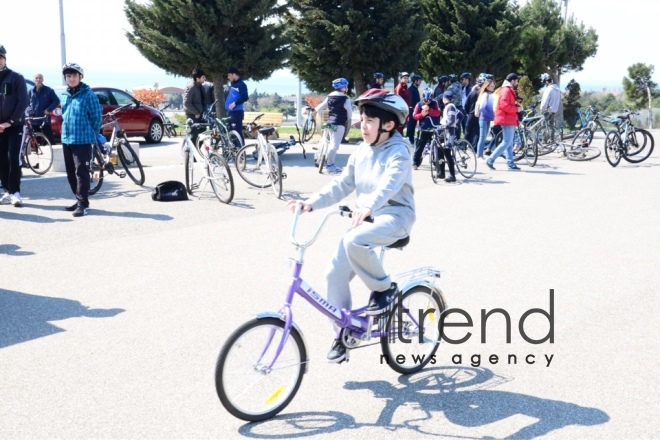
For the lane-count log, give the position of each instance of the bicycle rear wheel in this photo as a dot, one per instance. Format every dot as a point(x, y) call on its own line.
point(319, 156)
point(251, 166)
point(613, 148)
point(548, 139)
point(95, 171)
point(220, 177)
point(275, 172)
point(248, 387)
point(130, 161)
point(583, 137)
point(308, 130)
point(582, 154)
point(465, 158)
point(639, 146)
point(417, 343)
point(38, 153)
point(189, 165)
point(235, 144)
point(435, 166)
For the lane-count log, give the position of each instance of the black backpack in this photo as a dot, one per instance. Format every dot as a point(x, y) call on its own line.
point(169, 191)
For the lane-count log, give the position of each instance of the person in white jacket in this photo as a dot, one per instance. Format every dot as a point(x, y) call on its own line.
point(551, 99)
point(380, 173)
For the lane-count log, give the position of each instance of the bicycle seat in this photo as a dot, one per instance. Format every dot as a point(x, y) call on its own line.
point(399, 243)
point(267, 131)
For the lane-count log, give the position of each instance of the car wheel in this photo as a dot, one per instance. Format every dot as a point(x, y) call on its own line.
point(155, 133)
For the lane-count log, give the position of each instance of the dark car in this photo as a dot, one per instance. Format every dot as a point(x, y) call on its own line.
point(137, 120)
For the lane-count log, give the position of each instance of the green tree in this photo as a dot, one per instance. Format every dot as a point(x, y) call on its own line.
point(547, 44)
point(639, 88)
point(527, 92)
point(571, 101)
point(468, 35)
point(353, 39)
point(179, 35)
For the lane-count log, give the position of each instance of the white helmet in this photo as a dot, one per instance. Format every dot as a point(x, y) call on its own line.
point(545, 77)
point(72, 67)
point(387, 101)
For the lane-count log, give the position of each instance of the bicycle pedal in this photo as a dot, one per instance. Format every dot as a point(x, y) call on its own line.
point(283, 176)
point(109, 168)
point(121, 175)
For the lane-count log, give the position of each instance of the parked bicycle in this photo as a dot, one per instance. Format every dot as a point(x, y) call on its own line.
point(627, 142)
point(170, 127)
point(36, 150)
point(309, 126)
point(251, 129)
point(465, 159)
point(221, 140)
point(208, 165)
point(259, 164)
point(118, 147)
point(524, 143)
point(586, 135)
point(261, 365)
point(577, 152)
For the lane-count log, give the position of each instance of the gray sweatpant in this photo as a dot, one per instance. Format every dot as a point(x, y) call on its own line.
point(355, 256)
point(335, 140)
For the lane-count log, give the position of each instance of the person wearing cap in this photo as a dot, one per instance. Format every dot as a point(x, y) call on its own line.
point(43, 100)
point(472, 120)
point(81, 122)
point(451, 120)
point(402, 90)
point(379, 81)
point(194, 101)
point(13, 102)
point(506, 116)
point(440, 88)
point(238, 94)
point(414, 100)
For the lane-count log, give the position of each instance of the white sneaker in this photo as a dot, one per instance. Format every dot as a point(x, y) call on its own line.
point(6, 199)
point(15, 199)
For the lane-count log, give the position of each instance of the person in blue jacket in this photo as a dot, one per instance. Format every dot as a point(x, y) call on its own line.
point(43, 100)
point(236, 96)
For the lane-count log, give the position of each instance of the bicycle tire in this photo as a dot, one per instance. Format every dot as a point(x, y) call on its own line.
point(548, 141)
point(465, 158)
point(583, 137)
point(269, 393)
point(171, 131)
point(38, 153)
point(635, 156)
point(251, 167)
point(236, 142)
point(275, 172)
point(613, 148)
point(321, 152)
point(308, 130)
point(95, 171)
point(188, 164)
point(427, 303)
point(130, 162)
point(220, 178)
point(531, 150)
point(583, 154)
point(435, 167)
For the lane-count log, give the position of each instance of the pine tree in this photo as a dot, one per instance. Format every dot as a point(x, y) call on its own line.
point(179, 35)
point(640, 89)
point(468, 36)
point(527, 92)
point(353, 39)
point(571, 103)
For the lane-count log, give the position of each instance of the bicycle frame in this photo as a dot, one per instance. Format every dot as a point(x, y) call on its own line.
point(359, 327)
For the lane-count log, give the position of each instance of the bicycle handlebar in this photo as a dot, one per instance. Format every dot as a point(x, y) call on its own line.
point(117, 110)
point(344, 211)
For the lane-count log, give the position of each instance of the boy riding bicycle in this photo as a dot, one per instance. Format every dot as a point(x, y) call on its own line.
point(380, 172)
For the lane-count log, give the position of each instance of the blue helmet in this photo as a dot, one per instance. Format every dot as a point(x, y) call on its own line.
point(378, 75)
point(452, 77)
point(466, 75)
point(339, 83)
point(483, 77)
point(427, 94)
point(443, 79)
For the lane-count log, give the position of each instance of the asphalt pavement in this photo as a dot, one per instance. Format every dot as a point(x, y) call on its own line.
point(110, 324)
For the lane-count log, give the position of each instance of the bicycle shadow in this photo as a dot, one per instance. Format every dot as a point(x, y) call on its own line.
point(21, 216)
point(13, 250)
point(129, 214)
point(461, 394)
point(25, 317)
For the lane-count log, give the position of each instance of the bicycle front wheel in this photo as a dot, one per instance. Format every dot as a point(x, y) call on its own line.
point(248, 386)
point(252, 167)
point(583, 137)
point(413, 329)
point(582, 154)
point(38, 153)
point(308, 131)
point(235, 144)
point(275, 172)
point(189, 165)
point(130, 161)
point(639, 146)
point(435, 164)
point(465, 158)
point(220, 177)
point(95, 171)
point(613, 148)
point(319, 157)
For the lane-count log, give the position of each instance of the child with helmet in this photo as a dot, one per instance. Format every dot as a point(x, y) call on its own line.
point(380, 173)
point(427, 112)
point(340, 111)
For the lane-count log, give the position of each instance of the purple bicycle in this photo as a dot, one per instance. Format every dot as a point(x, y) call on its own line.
point(261, 366)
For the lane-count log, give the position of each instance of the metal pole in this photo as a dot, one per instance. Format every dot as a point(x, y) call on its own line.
point(299, 104)
point(62, 40)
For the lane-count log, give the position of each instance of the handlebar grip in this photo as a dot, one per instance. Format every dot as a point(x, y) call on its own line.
point(349, 212)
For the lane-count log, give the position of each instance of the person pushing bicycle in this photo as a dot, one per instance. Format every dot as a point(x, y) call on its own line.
point(340, 111)
point(380, 172)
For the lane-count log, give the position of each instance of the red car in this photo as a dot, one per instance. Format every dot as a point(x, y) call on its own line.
point(138, 120)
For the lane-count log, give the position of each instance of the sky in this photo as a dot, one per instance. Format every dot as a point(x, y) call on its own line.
point(95, 39)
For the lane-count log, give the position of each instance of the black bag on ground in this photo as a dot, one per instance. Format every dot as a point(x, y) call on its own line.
point(169, 191)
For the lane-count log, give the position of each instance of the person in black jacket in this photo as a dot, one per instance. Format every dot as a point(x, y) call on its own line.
point(194, 101)
point(43, 100)
point(414, 100)
point(13, 102)
point(472, 123)
point(379, 80)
